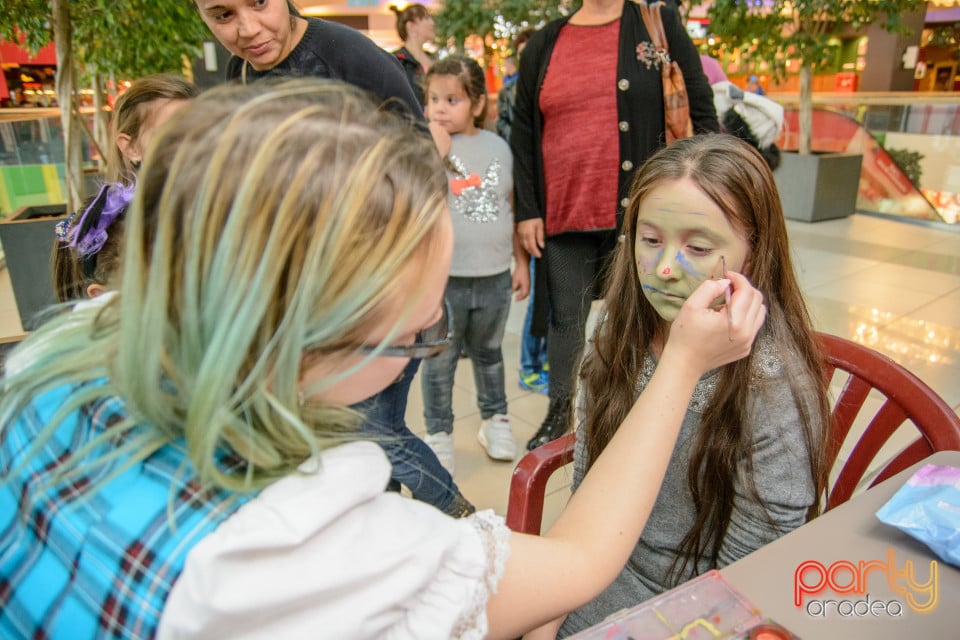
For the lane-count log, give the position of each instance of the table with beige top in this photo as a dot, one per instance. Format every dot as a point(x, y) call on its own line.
point(836, 548)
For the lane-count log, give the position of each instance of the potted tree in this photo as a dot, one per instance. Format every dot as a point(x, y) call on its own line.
point(812, 186)
point(93, 40)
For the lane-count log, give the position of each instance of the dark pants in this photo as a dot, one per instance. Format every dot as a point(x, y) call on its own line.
point(575, 264)
point(414, 463)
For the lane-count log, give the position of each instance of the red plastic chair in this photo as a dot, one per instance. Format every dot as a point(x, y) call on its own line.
point(528, 486)
point(907, 398)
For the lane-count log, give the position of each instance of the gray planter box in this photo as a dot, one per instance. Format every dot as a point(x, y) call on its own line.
point(28, 238)
point(818, 186)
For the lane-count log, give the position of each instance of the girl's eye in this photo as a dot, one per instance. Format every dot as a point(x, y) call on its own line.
point(699, 251)
point(650, 241)
point(260, 3)
point(221, 17)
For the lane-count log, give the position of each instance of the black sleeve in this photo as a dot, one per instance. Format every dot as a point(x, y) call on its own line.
point(682, 50)
point(523, 138)
point(413, 79)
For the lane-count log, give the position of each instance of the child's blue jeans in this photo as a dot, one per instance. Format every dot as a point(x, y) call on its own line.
point(414, 464)
point(480, 307)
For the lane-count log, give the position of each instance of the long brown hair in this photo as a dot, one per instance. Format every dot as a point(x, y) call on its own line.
point(736, 178)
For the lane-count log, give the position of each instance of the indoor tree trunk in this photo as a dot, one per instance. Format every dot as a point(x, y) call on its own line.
point(101, 123)
point(66, 83)
point(806, 109)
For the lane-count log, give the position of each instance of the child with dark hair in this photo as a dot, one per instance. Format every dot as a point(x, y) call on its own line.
point(480, 177)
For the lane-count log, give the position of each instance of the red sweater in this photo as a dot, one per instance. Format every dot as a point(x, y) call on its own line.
point(580, 135)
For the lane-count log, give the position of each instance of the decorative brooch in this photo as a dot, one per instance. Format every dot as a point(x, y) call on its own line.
point(650, 56)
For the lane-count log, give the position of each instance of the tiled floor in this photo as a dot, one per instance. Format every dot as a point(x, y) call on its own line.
point(887, 284)
point(890, 285)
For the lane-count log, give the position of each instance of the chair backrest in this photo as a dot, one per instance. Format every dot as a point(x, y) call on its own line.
point(906, 397)
point(528, 486)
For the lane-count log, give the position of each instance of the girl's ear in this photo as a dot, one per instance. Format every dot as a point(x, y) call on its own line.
point(95, 289)
point(478, 108)
point(128, 148)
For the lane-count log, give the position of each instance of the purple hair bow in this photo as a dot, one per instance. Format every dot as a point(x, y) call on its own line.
point(90, 233)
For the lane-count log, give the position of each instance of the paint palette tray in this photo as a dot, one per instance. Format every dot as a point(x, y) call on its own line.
point(705, 607)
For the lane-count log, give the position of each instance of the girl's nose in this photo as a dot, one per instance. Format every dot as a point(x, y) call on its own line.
point(667, 266)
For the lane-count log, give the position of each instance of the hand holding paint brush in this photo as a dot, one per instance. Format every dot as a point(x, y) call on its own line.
point(698, 326)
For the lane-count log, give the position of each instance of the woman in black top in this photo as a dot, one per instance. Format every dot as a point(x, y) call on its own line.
point(270, 38)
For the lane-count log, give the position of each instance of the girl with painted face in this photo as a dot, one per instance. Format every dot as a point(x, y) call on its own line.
point(181, 462)
point(749, 463)
point(269, 38)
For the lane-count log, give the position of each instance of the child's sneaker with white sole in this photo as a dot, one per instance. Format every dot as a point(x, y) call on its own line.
point(496, 436)
point(442, 445)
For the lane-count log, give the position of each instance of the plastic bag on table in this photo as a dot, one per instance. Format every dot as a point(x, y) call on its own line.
point(927, 507)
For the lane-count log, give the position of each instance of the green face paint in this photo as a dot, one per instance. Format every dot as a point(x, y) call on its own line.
point(681, 236)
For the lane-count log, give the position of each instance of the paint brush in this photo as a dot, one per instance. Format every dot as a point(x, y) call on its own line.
point(726, 298)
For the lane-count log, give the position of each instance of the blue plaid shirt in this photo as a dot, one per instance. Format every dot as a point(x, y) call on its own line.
point(83, 558)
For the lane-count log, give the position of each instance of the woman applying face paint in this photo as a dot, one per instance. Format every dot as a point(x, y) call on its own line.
point(269, 39)
point(749, 463)
point(179, 462)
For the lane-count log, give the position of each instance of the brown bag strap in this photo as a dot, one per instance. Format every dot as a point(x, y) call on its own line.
point(653, 21)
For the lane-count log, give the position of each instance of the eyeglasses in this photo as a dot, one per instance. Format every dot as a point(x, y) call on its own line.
point(428, 342)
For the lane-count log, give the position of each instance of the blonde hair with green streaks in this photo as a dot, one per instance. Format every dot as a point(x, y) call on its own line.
point(269, 221)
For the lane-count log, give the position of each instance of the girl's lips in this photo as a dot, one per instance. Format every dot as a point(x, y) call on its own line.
point(663, 293)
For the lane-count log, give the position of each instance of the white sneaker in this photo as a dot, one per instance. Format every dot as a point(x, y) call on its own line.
point(497, 438)
point(442, 445)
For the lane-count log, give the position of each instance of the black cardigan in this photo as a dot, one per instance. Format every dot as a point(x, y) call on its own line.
point(639, 105)
point(332, 50)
